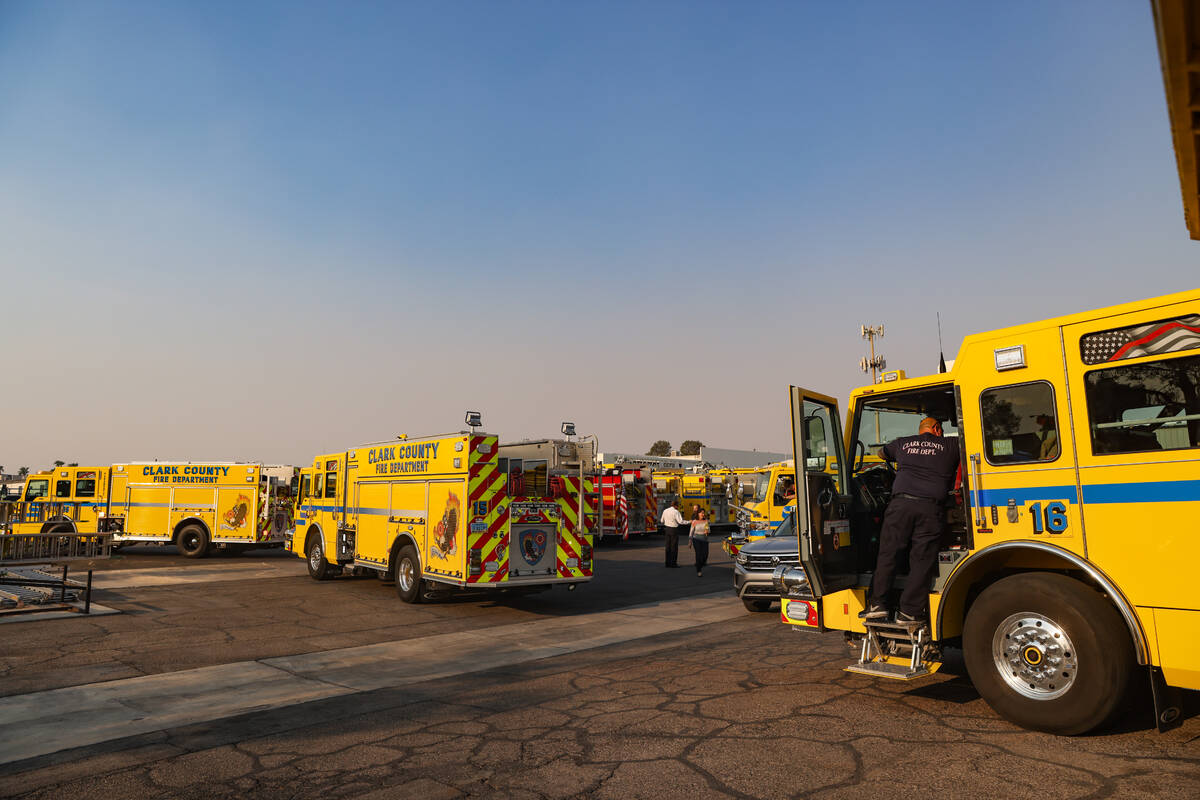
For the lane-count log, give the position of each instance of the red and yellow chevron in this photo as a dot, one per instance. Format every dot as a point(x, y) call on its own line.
point(575, 541)
point(651, 507)
point(487, 514)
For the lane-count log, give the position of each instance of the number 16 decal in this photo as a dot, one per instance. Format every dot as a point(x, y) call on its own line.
point(1054, 516)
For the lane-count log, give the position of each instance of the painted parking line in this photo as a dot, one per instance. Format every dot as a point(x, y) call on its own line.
point(173, 576)
point(78, 716)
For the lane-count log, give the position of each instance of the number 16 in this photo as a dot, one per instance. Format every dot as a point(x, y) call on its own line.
point(1055, 517)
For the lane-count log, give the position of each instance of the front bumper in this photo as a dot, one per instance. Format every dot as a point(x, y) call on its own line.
point(753, 583)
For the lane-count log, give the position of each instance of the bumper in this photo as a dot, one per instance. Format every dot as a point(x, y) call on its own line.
point(754, 584)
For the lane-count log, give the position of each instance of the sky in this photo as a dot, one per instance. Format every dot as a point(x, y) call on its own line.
point(263, 231)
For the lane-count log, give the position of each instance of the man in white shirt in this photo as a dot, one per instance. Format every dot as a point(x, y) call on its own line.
point(672, 521)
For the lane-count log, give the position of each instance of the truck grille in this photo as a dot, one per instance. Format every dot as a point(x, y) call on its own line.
point(758, 562)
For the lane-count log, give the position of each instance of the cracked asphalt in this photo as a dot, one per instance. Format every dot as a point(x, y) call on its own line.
point(744, 708)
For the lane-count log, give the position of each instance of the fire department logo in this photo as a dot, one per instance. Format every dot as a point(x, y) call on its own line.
point(533, 545)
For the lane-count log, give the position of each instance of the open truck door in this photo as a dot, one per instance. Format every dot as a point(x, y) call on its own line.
point(822, 501)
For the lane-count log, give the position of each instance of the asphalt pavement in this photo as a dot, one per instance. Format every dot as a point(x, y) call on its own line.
point(734, 705)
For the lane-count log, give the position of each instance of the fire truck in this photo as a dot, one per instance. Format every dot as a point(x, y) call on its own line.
point(198, 506)
point(1058, 574)
point(436, 515)
point(695, 489)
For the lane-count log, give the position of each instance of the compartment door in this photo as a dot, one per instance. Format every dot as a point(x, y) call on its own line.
point(822, 523)
point(445, 550)
point(533, 541)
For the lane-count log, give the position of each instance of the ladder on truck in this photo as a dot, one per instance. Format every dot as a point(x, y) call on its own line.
point(892, 650)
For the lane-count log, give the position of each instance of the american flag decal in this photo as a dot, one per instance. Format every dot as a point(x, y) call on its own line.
point(1154, 339)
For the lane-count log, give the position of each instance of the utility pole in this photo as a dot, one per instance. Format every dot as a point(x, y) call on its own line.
point(874, 363)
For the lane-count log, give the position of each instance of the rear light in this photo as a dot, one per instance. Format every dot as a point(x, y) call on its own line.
point(475, 562)
point(585, 552)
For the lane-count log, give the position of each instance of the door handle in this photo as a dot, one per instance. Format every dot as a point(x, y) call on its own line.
point(977, 489)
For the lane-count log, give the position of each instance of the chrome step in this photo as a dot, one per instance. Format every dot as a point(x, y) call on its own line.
point(892, 650)
point(882, 669)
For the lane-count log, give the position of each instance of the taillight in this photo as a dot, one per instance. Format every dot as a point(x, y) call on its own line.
point(585, 552)
point(475, 562)
point(803, 611)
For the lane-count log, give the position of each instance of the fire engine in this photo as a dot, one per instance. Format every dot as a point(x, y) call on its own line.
point(1058, 574)
point(435, 514)
point(197, 506)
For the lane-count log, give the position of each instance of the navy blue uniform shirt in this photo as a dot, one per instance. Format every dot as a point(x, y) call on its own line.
point(927, 465)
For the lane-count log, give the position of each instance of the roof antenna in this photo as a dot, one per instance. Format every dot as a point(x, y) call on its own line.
point(941, 352)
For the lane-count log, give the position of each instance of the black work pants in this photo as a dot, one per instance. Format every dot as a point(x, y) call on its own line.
point(917, 525)
point(672, 538)
point(701, 547)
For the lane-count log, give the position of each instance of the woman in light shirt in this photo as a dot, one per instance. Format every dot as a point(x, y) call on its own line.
point(699, 538)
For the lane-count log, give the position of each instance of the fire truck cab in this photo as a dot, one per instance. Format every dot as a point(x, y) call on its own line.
point(1058, 571)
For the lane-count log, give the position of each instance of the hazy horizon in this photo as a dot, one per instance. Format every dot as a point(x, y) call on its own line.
point(262, 232)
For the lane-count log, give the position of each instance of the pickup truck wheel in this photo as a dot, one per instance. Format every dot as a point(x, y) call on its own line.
point(1047, 652)
point(408, 575)
point(756, 605)
point(192, 541)
point(318, 566)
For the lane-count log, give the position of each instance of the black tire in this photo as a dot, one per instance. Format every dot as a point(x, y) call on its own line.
point(60, 527)
point(1066, 666)
point(192, 541)
point(407, 574)
point(756, 605)
point(319, 568)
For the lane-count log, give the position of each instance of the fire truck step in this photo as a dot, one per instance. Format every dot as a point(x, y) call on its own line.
point(882, 669)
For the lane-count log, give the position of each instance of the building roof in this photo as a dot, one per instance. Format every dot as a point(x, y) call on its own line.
point(1177, 27)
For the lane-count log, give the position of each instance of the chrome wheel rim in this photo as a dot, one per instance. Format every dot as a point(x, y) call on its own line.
point(405, 576)
point(314, 557)
point(1035, 656)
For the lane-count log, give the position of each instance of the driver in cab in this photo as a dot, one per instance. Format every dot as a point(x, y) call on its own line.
point(927, 466)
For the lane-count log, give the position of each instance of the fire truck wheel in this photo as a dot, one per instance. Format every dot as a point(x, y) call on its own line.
point(1047, 652)
point(192, 541)
point(408, 575)
point(752, 604)
point(318, 566)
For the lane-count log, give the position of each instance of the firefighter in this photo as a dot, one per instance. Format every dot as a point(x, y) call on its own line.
point(927, 465)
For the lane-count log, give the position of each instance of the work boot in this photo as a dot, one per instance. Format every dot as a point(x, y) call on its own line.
point(874, 611)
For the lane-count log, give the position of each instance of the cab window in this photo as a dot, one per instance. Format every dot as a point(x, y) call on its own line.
point(37, 489)
point(62, 488)
point(85, 484)
point(1144, 407)
point(318, 482)
point(331, 479)
point(1019, 424)
point(883, 419)
point(785, 488)
point(306, 486)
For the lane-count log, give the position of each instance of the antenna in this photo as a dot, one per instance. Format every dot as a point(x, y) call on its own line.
point(874, 363)
point(941, 350)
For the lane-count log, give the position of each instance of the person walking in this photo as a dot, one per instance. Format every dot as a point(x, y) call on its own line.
point(672, 521)
point(699, 539)
point(927, 466)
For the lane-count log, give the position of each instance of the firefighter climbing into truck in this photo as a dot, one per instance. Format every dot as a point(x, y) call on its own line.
point(1055, 573)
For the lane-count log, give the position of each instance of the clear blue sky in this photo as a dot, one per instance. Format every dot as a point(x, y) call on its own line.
point(266, 230)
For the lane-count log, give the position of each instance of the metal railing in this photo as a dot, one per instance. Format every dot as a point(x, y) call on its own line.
point(42, 548)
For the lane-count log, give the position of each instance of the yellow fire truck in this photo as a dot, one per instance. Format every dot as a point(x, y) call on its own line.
point(59, 500)
point(434, 514)
point(196, 506)
point(1059, 571)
